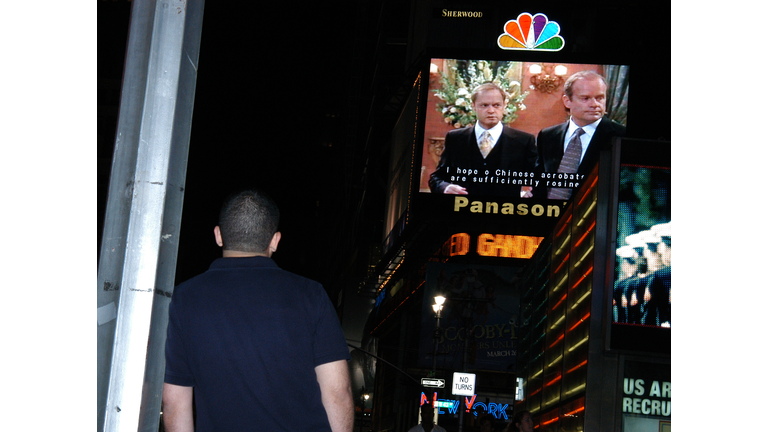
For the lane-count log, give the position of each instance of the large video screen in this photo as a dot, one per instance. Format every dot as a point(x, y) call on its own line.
point(642, 291)
point(527, 150)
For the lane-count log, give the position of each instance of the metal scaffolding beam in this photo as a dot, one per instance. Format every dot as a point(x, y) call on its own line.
point(143, 216)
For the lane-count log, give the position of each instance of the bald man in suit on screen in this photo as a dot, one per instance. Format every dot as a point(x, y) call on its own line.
point(479, 159)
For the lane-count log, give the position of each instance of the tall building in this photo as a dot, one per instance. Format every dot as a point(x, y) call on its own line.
point(530, 282)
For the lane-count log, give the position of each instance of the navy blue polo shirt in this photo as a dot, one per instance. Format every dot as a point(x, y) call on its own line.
point(247, 336)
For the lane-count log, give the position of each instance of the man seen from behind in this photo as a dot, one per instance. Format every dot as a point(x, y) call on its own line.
point(261, 348)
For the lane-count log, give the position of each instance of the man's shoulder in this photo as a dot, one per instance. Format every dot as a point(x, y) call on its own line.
point(197, 280)
point(552, 130)
point(516, 133)
point(461, 132)
point(243, 273)
point(615, 128)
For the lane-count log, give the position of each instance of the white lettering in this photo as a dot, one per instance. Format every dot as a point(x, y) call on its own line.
point(639, 390)
point(646, 406)
point(629, 385)
point(655, 389)
point(666, 408)
point(656, 407)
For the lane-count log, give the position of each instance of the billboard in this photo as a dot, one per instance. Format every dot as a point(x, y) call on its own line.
point(530, 126)
point(643, 268)
point(646, 397)
point(480, 315)
point(641, 262)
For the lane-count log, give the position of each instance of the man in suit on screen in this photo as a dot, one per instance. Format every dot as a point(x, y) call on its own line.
point(486, 158)
point(574, 147)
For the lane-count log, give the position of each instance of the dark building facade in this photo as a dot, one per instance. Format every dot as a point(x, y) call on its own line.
point(529, 282)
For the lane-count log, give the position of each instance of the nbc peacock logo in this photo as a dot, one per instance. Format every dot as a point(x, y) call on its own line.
point(532, 33)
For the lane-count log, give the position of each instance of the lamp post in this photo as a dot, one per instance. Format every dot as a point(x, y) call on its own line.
point(363, 399)
point(437, 307)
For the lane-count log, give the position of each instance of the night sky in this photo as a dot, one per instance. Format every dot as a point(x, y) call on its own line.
point(269, 113)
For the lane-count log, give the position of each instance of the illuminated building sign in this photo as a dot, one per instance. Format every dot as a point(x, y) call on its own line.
point(531, 33)
point(519, 390)
point(451, 406)
point(462, 204)
point(447, 13)
point(493, 245)
point(647, 397)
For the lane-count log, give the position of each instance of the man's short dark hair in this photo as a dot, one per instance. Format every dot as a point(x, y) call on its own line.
point(248, 220)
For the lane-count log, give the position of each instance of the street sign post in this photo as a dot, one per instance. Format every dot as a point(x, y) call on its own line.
point(433, 382)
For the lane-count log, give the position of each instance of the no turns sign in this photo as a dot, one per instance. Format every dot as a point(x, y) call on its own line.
point(463, 384)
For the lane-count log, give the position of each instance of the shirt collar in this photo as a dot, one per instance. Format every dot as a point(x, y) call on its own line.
point(495, 131)
point(589, 129)
point(256, 261)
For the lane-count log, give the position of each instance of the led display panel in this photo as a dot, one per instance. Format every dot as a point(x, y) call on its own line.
point(643, 269)
point(530, 124)
point(641, 300)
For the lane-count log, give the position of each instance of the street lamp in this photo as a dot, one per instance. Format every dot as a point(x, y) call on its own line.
point(363, 399)
point(437, 307)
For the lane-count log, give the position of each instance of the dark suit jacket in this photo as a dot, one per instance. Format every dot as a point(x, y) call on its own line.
point(551, 142)
point(515, 151)
point(657, 310)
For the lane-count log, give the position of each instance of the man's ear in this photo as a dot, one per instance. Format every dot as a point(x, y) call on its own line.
point(274, 242)
point(217, 235)
point(567, 102)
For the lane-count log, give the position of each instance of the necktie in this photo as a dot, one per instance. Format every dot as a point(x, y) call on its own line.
point(568, 164)
point(485, 144)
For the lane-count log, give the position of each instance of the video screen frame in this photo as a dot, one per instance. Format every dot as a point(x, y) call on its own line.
point(653, 156)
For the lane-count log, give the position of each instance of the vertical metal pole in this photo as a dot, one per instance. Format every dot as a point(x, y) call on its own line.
point(143, 217)
point(437, 339)
point(464, 369)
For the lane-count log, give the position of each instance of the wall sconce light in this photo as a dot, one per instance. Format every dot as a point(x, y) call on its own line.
point(547, 78)
point(436, 148)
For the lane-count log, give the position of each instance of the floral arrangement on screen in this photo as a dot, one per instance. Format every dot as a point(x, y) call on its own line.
point(457, 86)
